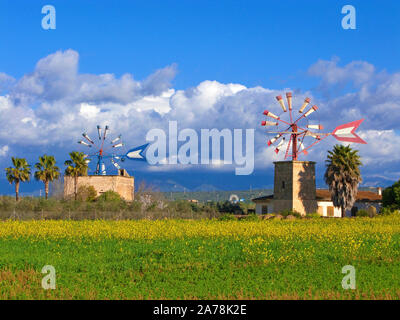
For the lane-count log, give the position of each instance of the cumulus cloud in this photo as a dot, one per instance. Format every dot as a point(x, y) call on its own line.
point(3, 151)
point(330, 73)
point(375, 95)
point(54, 104)
point(5, 81)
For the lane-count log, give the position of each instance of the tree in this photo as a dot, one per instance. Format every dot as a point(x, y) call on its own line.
point(46, 171)
point(343, 175)
point(76, 166)
point(20, 173)
point(391, 196)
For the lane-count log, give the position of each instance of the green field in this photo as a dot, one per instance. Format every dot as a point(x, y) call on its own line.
point(205, 259)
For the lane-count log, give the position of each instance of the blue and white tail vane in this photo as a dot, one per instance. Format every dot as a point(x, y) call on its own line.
point(137, 153)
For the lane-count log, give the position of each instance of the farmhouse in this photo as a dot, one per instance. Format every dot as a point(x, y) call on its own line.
point(325, 206)
point(295, 190)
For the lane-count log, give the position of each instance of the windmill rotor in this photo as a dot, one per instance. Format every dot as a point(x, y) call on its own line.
point(105, 153)
point(295, 133)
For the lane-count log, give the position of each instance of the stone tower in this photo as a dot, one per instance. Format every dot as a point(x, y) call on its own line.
point(294, 186)
point(123, 184)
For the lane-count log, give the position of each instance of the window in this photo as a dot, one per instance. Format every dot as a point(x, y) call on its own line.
point(264, 209)
point(331, 211)
point(283, 184)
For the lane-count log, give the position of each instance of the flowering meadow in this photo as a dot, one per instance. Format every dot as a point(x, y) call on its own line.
point(201, 259)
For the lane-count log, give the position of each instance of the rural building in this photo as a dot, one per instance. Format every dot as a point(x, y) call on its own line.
point(325, 206)
point(122, 183)
point(295, 190)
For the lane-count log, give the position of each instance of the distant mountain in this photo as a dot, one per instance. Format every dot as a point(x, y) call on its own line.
point(205, 187)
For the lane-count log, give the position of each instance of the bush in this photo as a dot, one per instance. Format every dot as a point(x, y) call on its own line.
point(286, 213)
point(227, 217)
point(7, 203)
point(252, 217)
point(389, 210)
point(228, 207)
point(313, 215)
point(86, 193)
point(109, 196)
point(362, 213)
point(135, 206)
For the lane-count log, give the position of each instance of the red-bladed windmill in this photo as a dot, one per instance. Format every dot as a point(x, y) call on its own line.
point(303, 133)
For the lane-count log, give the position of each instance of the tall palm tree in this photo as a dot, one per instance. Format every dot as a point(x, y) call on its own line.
point(76, 166)
point(343, 175)
point(46, 171)
point(20, 173)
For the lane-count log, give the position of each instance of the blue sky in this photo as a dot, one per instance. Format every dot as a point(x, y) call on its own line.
point(274, 45)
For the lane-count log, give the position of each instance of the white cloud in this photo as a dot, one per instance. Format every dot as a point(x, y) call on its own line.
point(4, 151)
point(89, 111)
point(359, 72)
point(55, 103)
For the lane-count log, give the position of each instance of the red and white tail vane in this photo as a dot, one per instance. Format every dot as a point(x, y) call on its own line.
point(346, 132)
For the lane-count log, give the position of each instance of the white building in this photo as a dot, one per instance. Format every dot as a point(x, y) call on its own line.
point(364, 200)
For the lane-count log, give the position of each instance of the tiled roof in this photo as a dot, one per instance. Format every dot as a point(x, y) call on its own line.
point(364, 196)
point(323, 194)
point(269, 197)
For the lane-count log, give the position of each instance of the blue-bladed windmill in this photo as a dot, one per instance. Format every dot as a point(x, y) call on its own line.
point(112, 152)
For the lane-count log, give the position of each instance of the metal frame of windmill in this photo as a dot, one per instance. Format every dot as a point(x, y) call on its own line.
point(299, 128)
point(106, 151)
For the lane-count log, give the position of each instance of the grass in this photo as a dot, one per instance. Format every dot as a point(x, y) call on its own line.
point(202, 259)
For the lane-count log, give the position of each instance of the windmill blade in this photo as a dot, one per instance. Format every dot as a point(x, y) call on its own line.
point(116, 139)
point(315, 126)
point(305, 104)
point(105, 132)
point(289, 100)
point(137, 153)
point(87, 138)
point(84, 143)
point(346, 132)
point(301, 147)
point(282, 103)
point(99, 131)
point(274, 139)
point(269, 123)
point(280, 144)
point(118, 145)
point(312, 134)
point(270, 114)
point(311, 110)
point(115, 164)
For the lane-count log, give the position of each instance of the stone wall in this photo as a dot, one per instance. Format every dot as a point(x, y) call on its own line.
point(123, 185)
point(294, 186)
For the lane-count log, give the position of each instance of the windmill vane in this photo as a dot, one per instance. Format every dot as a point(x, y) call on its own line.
point(295, 134)
point(106, 152)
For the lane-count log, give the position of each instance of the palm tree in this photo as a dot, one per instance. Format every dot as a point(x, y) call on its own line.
point(20, 173)
point(46, 171)
point(76, 166)
point(343, 175)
